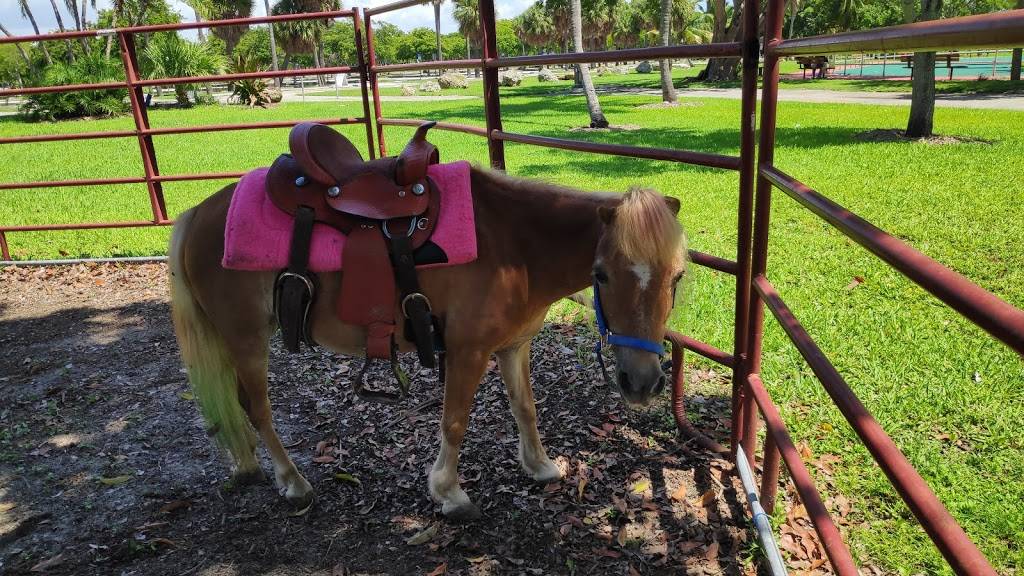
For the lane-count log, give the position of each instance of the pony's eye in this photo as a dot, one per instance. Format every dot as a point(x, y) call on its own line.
point(600, 276)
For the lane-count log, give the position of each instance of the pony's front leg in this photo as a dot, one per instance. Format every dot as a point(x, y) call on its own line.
point(464, 368)
point(515, 372)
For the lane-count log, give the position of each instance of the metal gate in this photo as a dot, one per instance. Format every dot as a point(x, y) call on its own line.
point(754, 291)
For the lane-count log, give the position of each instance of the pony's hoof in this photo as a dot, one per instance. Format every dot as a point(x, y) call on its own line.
point(547, 474)
point(298, 492)
point(248, 477)
point(465, 512)
point(300, 501)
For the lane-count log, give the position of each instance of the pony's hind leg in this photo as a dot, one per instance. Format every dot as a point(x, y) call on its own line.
point(465, 368)
point(515, 372)
point(252, 376)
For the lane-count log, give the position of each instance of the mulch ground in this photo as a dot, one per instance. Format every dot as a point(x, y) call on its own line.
point(105, 467)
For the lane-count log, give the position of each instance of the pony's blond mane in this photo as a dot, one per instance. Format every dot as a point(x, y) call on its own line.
point(646, 230)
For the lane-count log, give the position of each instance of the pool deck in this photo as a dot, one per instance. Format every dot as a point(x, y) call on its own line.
point(982, 101)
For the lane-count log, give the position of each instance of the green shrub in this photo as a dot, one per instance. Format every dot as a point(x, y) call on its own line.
point(91, 69)
point(173, 57)
point(252, 91)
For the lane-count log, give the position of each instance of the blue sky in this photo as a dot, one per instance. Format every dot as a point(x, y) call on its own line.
point(406, 19)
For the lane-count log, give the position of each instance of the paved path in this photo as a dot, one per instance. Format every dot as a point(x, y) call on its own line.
point(986, 101)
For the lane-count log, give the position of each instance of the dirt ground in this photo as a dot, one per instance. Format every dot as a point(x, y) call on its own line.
point(105, 467)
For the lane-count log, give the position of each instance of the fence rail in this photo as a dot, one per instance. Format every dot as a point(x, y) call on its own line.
point(144, 132)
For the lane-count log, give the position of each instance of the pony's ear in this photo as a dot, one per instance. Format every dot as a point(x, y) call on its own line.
point(672, 203)
point(606, 213)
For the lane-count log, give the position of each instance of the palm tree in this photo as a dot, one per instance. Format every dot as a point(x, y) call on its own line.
point(26, 12)
point(303, 36)
point(72, 6)
point(437, 27)
point(597, 119)
point(273, 44)
point(60, 24)
point(535, 27)
point(224, 9)
point(467, 15)
point(170, 56)
point(24, 56)
point(668, 91)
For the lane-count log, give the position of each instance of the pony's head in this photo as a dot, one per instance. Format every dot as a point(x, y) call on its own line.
point(640, 259)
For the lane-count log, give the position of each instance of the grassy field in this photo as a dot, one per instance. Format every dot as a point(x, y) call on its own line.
point(950, 397)
point(686, 78)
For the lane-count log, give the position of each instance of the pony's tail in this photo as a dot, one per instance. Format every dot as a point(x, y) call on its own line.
point(207, 361)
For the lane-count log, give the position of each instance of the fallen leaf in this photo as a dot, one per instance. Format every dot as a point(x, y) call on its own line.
point(175, 505)
point(345, 477)
point(712, 552)
point(580, 487)
point(679, 493)
point(552, 487)
point(633, 572)
point(599, 432)
point(116, 480)
point(49, 563)
point(441, 569)
point(857, 281)
point(641, 486)
point(621, 539)
point(477, 559)
point(607, 553)
point(423, 536)
point(708, 497)
point(163, 542)
point(187, 396)
point(688, 546)
point(324, 459)
point(302, 512)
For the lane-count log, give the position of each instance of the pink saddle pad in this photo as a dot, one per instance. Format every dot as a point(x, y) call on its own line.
point(258, 234)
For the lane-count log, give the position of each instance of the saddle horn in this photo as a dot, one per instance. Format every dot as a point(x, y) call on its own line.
point(417, 155)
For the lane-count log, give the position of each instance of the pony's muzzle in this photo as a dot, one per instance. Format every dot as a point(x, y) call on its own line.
point(640, 386)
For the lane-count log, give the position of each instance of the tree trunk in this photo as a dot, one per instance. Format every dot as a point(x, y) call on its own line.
point(668, 91)
point(273, 46)
point(723, 69)
point(181, 95)
point(597, 119)
point(202, 35)
point(60, 25)
point(922, 101)
point(922, 98)
point(32, 20)
point(79, 22)
point(437, 29)
point(792, 20)
point(17, 45)
point(1015, 65)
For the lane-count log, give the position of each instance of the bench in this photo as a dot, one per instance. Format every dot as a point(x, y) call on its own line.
point(948, 58)
point(818, 65)
point(387, 208)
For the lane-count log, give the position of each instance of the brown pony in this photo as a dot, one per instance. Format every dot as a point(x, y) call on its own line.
point(537, 243)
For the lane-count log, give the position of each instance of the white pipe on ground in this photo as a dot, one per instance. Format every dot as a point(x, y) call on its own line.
point(761, 521)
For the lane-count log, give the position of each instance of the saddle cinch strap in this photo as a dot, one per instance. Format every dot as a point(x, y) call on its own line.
point(387, 208)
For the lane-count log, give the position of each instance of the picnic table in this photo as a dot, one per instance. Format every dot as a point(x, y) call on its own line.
point(947, 58)
point(818, 65)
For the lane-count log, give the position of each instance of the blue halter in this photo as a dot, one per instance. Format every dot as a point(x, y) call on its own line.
point(610, 338)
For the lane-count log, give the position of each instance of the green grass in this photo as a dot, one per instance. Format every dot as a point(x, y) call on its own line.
point(949, 396)
point(685, 78)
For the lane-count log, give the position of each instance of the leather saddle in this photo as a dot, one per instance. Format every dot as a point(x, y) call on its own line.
point(387, 208)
